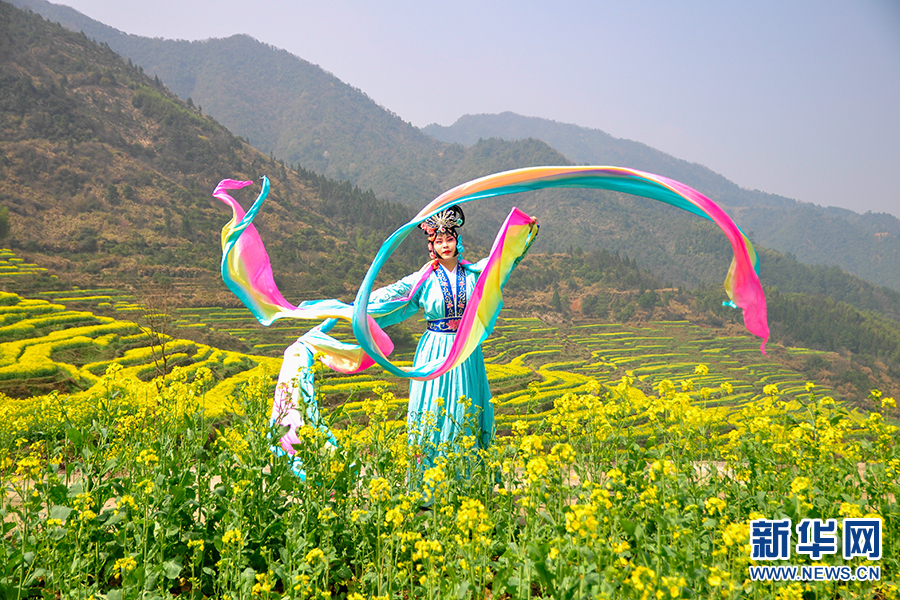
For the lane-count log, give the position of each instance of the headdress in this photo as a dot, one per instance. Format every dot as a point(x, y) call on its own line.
point(446, 221)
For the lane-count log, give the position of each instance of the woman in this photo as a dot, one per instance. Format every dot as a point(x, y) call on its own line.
point(459, 401)
point(248, 273)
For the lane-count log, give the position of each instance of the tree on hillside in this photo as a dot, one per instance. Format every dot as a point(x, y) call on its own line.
point(157, 321)
point(556, 301)
point(4, 222)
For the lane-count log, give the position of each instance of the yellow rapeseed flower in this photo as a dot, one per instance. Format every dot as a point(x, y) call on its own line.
point(87, 515)
point(147, 458)
point(581, 520)
point(426, 549)
point(356, 514)
point(28, 468)
point(799, 484)
point(264, 583)
point(326, 514)
point(714, 505)
point(233, 536)
point(394, 517)
point(649, 496)
point(638, 577)
point(616, 476)
point(537, 469)
point(125, 564)
point(531, 444)
point(127, 500)
point(379, 489)
point(851, 510)
point(665, 387)
point(472, 517)
point(565, 452)
point(520, 427)
point(735, 533)
point(314, 556)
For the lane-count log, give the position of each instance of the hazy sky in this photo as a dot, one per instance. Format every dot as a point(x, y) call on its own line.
point(795, 97)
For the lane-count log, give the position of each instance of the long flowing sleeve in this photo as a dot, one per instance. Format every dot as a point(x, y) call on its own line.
point(479, 266)
point(397, 293)
point(394, 291)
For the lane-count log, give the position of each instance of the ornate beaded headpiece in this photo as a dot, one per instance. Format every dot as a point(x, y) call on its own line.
point(444, 222)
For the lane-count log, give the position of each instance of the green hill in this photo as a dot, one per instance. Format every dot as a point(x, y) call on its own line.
point(298, 112)
point(286, 106)
point(866, 245)
point(108, 178)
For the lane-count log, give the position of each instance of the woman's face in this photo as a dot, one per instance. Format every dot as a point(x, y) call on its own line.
point(444, 246)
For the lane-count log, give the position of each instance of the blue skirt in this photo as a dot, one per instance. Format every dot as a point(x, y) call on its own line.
point(432, 425)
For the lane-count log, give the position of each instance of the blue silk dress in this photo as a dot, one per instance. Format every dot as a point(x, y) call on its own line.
point(464, 390)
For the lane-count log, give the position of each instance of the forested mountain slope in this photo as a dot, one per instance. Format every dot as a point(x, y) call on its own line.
point(108, 177)
point(298, 112)
point(286, 106)
point(867, 245)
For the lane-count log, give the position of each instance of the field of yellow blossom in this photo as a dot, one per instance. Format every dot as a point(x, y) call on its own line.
point(614, 493)
point(630, 462)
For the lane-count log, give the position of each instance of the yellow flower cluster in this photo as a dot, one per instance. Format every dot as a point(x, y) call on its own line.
point(379, 490)
point(537, 469)
point(472, 520)
point(265, 582)
point(435, 482)
point(314, 556)
point(799, 484)
point(233, 537)
point(642, 579)
point(581, 521)
point(125, 564)
point(714, 505)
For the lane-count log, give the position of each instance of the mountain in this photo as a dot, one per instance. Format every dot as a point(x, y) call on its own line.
point(285, 106)
point(107, 178)
point(595, 147)
point(866, 245)
point(297, 112)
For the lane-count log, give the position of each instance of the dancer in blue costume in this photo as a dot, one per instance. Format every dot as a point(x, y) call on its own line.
point(465, 398)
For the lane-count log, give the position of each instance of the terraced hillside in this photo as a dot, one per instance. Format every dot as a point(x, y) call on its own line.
point(47, 346)
point(11, 266)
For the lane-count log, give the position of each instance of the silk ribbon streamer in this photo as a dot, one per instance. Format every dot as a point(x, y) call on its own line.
point(248, 273)
point(741, 284)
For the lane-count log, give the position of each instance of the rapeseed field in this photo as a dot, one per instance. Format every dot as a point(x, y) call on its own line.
point(137, 490)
